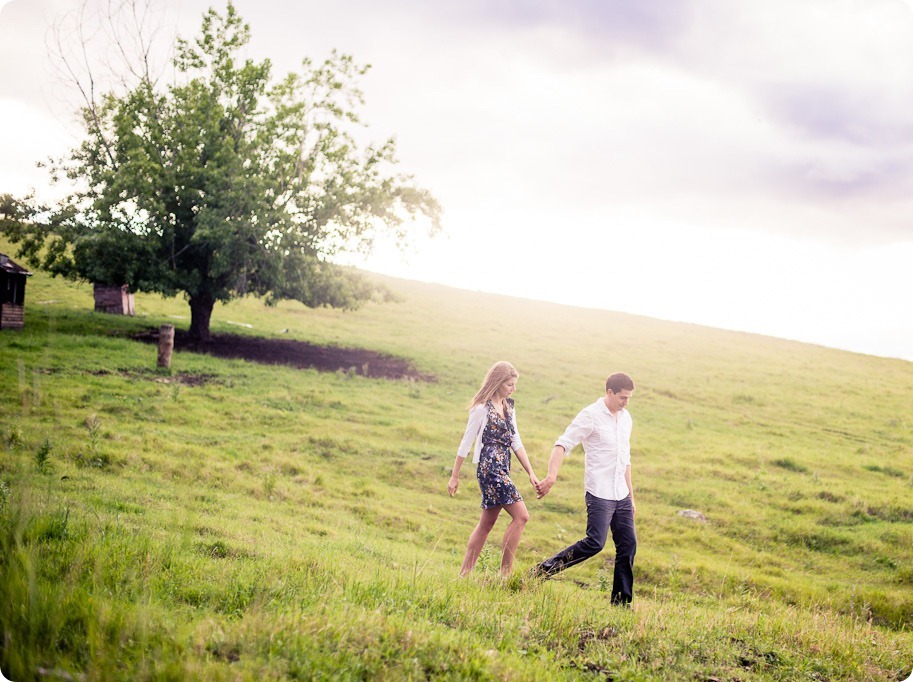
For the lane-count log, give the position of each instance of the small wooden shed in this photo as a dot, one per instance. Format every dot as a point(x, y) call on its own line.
point(12, 293)
point(114, 300)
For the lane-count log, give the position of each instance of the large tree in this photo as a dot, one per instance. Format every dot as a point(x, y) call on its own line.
point(224, 183)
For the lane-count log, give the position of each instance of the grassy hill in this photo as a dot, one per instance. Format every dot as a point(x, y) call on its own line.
point(234, 521)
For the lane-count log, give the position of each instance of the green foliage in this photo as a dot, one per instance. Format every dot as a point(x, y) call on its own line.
point(43, 456)
point(886, 470)
point(12, 437)
point(93, 456)
point(276, 524)
point(790, 465)
point(224, 184)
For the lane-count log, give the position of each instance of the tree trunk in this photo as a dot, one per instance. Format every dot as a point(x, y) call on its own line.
point(201, 306)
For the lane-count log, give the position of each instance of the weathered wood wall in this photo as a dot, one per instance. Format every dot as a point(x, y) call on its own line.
point(12, 316)
point(114, 300)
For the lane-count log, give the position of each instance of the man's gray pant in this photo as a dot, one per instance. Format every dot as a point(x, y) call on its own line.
point(601, 516)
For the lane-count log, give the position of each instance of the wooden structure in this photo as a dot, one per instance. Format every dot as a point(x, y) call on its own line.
point(114, 300)
point(166, 345)
point(12, 293)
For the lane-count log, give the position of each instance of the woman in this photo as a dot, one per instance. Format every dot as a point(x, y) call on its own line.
point(493, 426)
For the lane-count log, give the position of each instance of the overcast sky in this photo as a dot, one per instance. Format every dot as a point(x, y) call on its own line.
point(734, 163)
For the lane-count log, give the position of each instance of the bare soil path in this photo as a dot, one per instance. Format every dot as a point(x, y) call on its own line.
point(294, 353)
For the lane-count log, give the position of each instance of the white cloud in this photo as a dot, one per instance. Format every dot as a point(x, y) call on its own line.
point(706, 143)
point(27, 135)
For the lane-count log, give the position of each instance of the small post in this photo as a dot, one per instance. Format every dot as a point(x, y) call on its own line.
point(166, 345)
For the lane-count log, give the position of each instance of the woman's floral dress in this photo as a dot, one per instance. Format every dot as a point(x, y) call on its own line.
point(493, 470)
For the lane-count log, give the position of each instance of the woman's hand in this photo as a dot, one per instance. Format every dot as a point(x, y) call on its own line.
point(453, 485)
point(534, 480)
point(544, 486)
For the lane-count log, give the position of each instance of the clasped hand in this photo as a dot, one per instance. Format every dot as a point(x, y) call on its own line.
point(543, 486)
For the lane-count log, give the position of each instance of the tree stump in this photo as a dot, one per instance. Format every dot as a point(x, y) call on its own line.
point(166, 345)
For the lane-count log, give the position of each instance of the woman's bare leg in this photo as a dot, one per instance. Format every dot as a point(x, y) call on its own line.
point(478, 537)
point(518, 518)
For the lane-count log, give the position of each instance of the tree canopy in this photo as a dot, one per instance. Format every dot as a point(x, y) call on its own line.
point(224, 183)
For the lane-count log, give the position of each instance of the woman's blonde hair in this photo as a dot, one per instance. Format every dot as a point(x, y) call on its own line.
point(498, 375)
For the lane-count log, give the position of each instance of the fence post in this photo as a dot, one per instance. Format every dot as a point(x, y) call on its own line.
point(166, 345)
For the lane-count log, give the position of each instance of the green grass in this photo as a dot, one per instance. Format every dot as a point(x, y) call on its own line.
point(229, 521)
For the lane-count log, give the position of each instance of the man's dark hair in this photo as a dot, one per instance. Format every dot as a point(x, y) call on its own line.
point(619, 382)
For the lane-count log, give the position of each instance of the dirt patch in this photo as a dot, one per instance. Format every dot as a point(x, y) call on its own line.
point(186, 379)
point(294, 353)
point(183, 379)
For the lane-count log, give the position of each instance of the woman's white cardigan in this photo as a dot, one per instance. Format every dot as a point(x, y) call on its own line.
point(478, 417)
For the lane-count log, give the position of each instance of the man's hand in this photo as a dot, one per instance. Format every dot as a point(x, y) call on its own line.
point(544, 486)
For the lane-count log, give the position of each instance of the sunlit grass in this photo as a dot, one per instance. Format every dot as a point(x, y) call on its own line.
point(230, 521)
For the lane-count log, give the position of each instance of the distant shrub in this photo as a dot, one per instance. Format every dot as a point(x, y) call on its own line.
point(43, 456)
point(845, 518)
point(93, 426)
point(219, 549)
point(905, 576)
point(98, 461)
point(789, 465)
point(887, 471)
point(52, 527)
point(890, 514)
point(13, 437)
point(887, 562)
point(216, 550)
point(825, 542)
point(888, 611)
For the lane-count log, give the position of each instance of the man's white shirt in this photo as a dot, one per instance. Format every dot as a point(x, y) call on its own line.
point(606, 440)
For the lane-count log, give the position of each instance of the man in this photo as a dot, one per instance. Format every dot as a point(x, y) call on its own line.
point(604, 428)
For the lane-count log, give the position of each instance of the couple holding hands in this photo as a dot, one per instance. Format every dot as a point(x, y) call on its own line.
point(604, 430)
